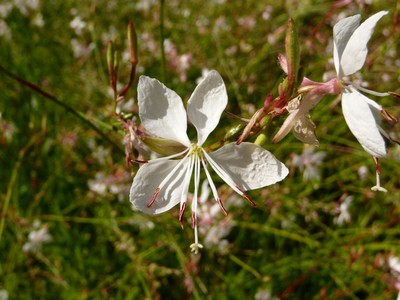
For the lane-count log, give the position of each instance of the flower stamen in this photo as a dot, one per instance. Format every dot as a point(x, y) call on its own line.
point(221, 205)
point(153, 198)
point(247, 197)
point(213, 188)
point(181, 212)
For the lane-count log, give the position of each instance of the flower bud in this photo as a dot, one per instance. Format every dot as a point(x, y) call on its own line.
point(163, 146)
point(110, 59)
point(132, 40)
point(292, 55)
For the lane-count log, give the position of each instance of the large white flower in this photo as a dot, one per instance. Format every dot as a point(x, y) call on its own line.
point(162, 183)
point(362, 115)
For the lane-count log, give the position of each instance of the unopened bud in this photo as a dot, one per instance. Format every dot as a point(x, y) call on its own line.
point(132, 40)
point(163, 146)
point(110, 59)
point(292, 54)
point(233, 132)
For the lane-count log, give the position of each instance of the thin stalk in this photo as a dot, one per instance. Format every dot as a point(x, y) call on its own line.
point(11, 184)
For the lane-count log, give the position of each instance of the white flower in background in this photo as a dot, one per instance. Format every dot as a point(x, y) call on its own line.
point(362, 114)
point(36, 238)
point(77, 24)
point(25, 6)
point(394, 265)
point(162, 183)
point(3, 294)
point(5, 30)
point(344, 214)
point(309, 162)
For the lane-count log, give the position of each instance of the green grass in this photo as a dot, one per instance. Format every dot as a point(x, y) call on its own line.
point(101, 248)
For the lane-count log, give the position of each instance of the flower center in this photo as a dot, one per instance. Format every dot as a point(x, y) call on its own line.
point(196, 152)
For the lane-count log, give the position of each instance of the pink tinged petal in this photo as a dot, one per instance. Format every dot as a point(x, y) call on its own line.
point(363, 121)
point(355, 52)
point(249, 166)
point(342, 32)
point(206, 105)
point(161, 111)
point(150, 182)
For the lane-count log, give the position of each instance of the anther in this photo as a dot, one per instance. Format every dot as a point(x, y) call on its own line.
point(153, 198)
point(221, 205)
point(194, 223)
point(244, 195)
point(378, 167)
point(181, 214)
point(388, 117)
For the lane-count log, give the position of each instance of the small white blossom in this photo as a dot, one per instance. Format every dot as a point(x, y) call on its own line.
point(344, 214)
point(3, 294)
point(77, 24)
point(394, 265)
point(309, 162)
point(36, 238)
point(162, 183)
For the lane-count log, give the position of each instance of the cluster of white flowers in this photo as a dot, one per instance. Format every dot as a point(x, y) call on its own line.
point(162, 183)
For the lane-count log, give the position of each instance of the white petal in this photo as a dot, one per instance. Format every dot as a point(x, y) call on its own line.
point(149, 178)
point(355, 52)
point(161, 111)
point(206, 105)
point(342, 32)
point(250, 166)
point(363, 121)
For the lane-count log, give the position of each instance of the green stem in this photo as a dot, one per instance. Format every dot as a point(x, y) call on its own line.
point(163, 60)
point(11, 184)
point(85, 119)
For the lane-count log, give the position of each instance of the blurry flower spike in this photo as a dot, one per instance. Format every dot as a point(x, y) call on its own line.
point(162, 183)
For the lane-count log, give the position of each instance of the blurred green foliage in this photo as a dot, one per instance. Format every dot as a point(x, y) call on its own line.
point(60, 176)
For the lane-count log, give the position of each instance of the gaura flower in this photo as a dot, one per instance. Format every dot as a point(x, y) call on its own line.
point(162, 183)
point(362, 115)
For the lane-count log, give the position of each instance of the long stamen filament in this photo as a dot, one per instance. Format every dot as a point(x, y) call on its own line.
point(221, 173)
point(196, 246)
point(186, 182)
point(213, 188)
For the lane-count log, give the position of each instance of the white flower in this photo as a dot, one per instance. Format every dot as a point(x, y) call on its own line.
point(309, 161)
point(362, 114)
point(162, 183)
point(3, 294)
point(394, 264)
point(344, 214)
point(36, 239)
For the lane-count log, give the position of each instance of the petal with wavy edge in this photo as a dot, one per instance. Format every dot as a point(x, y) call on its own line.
point(363, 121)
point(206, 105)
point(161, 111)
point(149, 178)
point(342, 32)
point(355, 53)
point(249, 165)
